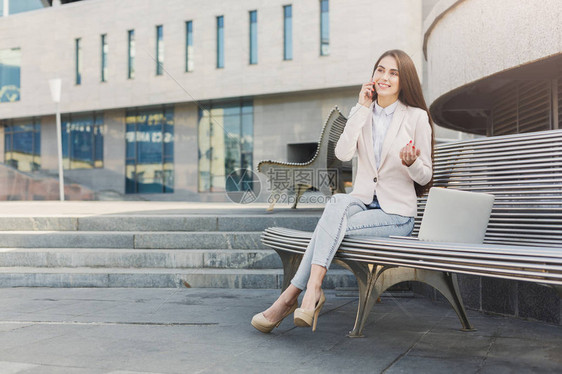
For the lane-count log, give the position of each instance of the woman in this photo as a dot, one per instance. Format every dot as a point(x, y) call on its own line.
point(391, 131)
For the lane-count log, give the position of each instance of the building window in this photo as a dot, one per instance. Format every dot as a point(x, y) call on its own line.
point(159, 50)
point(131, 54)
point(220, 42)
point(324, 28)
point(82, 141)
point(104, 49)
point(253, 37)
point(288, 32)
point(226, 143)
point(189, 46)
point(150, 150)
point(10, 68)
point(78, 61)
point(22, 144)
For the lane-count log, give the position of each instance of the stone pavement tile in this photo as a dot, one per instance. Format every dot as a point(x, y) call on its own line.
point(450, 345)
point(509, 366)
point(57, 369)
point(129, 330)
point(412, 364)
point(532, 354)
point(12, 326)
point(129, 372)
point(7, 367)
point(23, 337)
point(14, 308)
point(362, 355)
point(70, 309)
point(515, 328)
point(119, 349)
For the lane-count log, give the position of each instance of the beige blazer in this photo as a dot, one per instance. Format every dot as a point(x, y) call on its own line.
point(393, 182)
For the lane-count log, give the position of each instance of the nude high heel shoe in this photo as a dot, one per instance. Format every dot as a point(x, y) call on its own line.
point(264, 325)
point(309, 317)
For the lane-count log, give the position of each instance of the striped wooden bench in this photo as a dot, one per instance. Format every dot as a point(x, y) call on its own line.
point(523, 239)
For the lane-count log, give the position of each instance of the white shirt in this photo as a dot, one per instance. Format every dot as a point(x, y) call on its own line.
point(382, 117)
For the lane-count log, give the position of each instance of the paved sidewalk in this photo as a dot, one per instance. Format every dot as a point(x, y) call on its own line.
point(207, 331)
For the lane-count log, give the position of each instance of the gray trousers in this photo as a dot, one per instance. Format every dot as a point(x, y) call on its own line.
point(347, 215)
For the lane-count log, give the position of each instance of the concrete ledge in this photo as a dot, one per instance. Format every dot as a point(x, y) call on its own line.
point(200, 240)
point(140, 240)
point(164, 223)
point(157, 278)
point(140, 258)
point(46, 239)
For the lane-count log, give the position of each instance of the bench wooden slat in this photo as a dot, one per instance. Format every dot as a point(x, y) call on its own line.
point(405, 244)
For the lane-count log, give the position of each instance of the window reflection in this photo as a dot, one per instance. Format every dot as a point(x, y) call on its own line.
point(254, 37)
point(22, 144)
point(82, 141)
point(324, 28)
point(288, 32)
point(189, 46)
point(104, 51)
point(220, 42)
point(10, 63)
point(150, 151)
point(226, 133)
point(131, 54)
point(159, 50)
point(78, 61)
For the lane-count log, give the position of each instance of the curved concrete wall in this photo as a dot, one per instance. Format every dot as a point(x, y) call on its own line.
point(468, 40)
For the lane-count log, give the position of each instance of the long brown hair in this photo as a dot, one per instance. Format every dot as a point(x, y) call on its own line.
point(410, 94)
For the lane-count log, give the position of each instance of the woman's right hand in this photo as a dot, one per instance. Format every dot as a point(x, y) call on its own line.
point(366, 94)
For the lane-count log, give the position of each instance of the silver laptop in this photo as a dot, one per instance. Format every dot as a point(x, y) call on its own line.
point(454, 216)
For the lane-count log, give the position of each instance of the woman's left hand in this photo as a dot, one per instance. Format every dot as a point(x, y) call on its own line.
point(409, 154)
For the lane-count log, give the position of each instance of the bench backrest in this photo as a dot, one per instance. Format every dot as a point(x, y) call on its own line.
point(523, 171)
point(331, 131)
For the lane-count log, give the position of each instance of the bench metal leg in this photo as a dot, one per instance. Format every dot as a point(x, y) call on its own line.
point(365, 275)
point(300, 189)
point(373, 280)
point(273, 198)
point(558, 289)
point(447, 285)
point(291, 262)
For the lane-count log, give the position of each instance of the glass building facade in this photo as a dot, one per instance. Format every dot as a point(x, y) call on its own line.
point(10, 70)
point(82, 141)
point(149, 150)
point(22, 144)
point(226, 143)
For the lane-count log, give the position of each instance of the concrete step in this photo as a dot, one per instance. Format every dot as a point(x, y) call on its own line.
point(181, 223)
point(131, 240)
point(154, 278)
point(140, 258)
